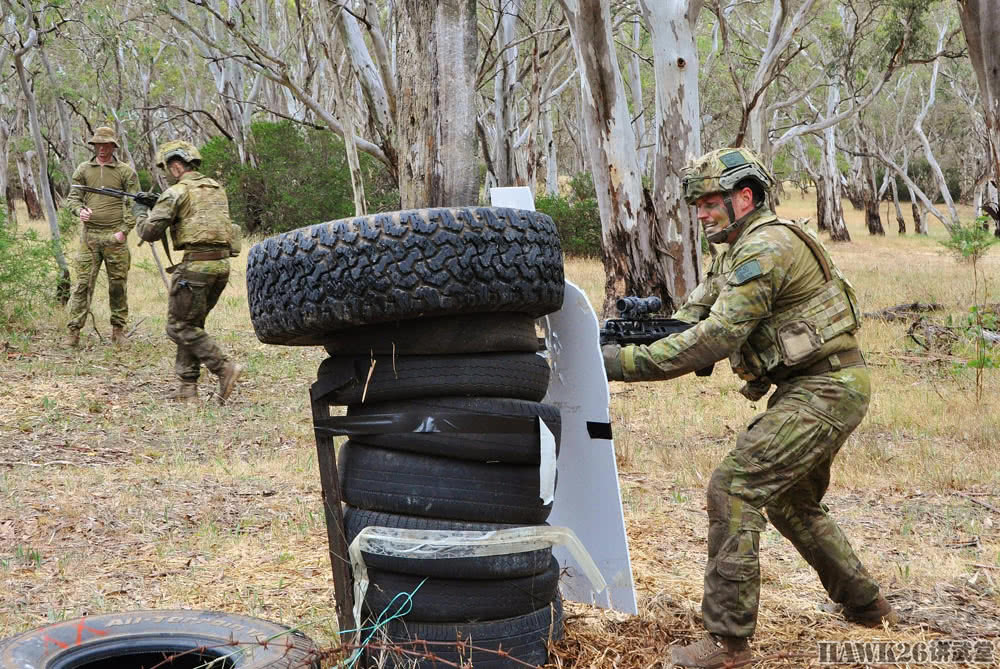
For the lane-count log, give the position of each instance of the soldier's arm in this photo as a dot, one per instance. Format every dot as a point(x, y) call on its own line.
point(74, 201)
point(744, 299)
point(699, 302)
point(130, 185)
point(152, 224)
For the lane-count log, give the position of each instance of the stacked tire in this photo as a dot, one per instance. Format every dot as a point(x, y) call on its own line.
point(428, 316)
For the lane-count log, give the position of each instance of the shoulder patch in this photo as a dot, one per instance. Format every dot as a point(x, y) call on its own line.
point(746, 272)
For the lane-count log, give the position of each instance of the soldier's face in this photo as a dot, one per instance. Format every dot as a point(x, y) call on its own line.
point(104, 151)
point(712, 213)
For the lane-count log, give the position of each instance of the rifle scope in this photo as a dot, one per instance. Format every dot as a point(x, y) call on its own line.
point(638, 306)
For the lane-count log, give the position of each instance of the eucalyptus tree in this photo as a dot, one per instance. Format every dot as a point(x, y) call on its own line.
point(650, 240)
point(981, 23)
point(30, 28)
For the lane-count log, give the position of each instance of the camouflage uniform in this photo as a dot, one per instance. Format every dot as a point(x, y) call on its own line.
point(196, 211)
point(775, 304)
point(97, 243)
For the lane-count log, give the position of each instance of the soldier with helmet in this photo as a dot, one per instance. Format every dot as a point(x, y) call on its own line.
point(106, 222)
point(196, 211)
point(778, 307)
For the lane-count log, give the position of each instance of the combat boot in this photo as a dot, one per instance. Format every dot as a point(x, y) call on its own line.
point(711, 652)
point(117, 336)
point(186, 392)
point(873, 614)
point(73, 338)
point(227, 379)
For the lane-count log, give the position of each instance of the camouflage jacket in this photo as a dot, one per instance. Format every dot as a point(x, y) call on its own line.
point(767, 282)
point(108, 213)
point(196, 211)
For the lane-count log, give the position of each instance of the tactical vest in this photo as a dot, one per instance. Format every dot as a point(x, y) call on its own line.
point(203, 219)
point(797, 333)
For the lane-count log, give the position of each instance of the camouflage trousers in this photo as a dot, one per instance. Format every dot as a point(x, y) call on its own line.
point(781, 464)
point(194, 292)
point(99, 247)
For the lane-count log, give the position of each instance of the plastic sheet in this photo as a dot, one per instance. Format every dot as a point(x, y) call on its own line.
point(447, 544)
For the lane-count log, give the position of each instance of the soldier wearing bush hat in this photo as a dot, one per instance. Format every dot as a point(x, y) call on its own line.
point(196, 211)
point(778, 307)
point(105, 224)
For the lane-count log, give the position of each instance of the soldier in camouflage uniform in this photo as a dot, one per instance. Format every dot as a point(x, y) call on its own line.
point(775, 304)
point(106, 222)
point(196, 211)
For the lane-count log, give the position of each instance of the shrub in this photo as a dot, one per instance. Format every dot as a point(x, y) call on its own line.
point(26, 262)
point(576, 216)
point(301, 177)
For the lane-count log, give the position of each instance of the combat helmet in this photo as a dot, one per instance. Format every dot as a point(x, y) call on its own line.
point(103, 135)
point(178, 148)
point(719, 171)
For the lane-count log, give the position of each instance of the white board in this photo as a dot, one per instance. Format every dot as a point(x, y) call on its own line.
point(516, 197)
point(588, 499)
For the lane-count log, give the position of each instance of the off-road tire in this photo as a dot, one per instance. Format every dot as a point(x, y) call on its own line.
point(305, 285)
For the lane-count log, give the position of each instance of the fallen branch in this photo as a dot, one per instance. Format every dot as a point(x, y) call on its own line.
point(904, 312)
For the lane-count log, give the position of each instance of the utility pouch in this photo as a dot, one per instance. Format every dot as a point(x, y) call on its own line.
point(798, 341)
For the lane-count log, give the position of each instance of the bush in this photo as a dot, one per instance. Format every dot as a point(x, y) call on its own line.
point(26, 262)
point(301, 178)
point(577, 217)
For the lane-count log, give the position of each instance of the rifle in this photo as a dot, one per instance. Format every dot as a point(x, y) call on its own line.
point(147, 199)
point(636, 325)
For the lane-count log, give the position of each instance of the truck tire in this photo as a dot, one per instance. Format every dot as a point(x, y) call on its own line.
point(468, 333)
point(423, 485)
point(511, 448)
point(509, 565)
point(305, 285)
point(148, 638)
point(459, 600)
point(380, 378)
point(525, 638)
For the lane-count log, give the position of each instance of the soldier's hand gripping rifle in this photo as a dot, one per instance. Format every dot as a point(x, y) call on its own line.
point(145, 199)
point(636, 325)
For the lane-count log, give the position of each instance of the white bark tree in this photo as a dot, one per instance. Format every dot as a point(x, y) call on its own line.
point(649, 240)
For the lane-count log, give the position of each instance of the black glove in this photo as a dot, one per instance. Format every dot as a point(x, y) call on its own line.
point(755, 389)
point(612, 362)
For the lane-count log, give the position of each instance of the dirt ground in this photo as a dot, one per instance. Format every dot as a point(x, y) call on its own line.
point(112, 500)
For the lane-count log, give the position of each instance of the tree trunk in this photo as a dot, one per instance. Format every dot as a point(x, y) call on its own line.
point(900, 221)
point(436, 109)
point(63, 285)
point(822, 222)
point(981, 23)
point(646, 247)
point(29, 191)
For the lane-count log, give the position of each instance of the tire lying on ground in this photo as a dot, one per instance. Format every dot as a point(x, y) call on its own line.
point(378, 378)
point(468, 333)
point(458, 600)
point(380, 479)
point(304, 285)
point(507, 447)
point(525, 638)
point(174, 638)
point(509, 565)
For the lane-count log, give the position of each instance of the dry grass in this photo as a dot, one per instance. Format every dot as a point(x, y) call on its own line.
point(111, 499)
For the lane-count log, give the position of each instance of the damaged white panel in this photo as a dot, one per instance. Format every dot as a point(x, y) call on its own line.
point(588, 499)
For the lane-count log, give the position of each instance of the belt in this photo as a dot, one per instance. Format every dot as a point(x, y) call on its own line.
point(849, 358)
point(219, 254)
